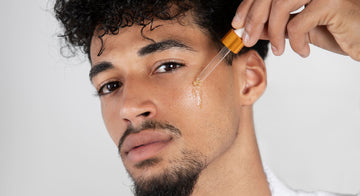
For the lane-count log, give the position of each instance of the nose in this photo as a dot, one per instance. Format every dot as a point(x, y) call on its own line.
point(137, 103)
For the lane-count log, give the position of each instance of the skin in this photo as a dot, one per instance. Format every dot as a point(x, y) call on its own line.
point(220, 132)
point(329, 24)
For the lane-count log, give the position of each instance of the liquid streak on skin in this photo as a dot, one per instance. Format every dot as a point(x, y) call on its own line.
point(196, 92)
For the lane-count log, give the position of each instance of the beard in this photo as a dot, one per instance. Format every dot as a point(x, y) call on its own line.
point(177, 180)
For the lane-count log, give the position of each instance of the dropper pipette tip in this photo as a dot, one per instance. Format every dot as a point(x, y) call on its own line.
point(232, 43)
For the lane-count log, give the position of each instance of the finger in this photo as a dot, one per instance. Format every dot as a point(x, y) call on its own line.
point(278, 19)
point(241, 12)
point(299, 27)
point(264, 34)
point(255, 21)
point(321, 37)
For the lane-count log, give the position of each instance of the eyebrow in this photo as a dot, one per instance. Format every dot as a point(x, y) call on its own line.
point(163, 45)
point(146, 50)
point(100, 67)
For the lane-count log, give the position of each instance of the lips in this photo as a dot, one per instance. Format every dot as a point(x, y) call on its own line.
point(144, 145)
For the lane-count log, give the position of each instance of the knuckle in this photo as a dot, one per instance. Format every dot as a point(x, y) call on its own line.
point(292, 28)
point(252, 18)
point(257, 18)
point(280, 5)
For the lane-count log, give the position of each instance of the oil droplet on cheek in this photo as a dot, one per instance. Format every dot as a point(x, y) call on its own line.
point(196, 92)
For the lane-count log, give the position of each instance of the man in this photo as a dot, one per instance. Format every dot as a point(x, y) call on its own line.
point(145, 56)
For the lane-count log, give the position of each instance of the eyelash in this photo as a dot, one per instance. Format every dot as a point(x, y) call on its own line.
point(109, 87)
point(113, 85)
point(173, 66)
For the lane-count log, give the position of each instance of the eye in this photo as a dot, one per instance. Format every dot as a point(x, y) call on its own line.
point(109, 88)
point(168, 67)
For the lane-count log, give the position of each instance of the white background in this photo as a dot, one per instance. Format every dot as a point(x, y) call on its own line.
point(53, 142)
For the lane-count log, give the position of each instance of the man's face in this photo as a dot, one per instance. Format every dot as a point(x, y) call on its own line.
point(149, 102)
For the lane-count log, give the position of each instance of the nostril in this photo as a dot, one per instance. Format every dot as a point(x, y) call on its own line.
point(127, 122)
point(145, 114)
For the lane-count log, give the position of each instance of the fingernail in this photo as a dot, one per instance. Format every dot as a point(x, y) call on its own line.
point(246, 38)
point(236, 21)
point(274, 50)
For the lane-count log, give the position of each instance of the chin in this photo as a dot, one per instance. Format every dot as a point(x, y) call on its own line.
point(162, 178)
point(147, 169)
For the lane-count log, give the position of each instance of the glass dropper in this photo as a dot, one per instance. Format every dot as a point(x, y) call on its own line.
point(232, 43)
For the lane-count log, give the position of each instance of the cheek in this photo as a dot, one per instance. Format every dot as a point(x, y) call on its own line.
point(211, 127)
point(183, 101)
point(112, 121)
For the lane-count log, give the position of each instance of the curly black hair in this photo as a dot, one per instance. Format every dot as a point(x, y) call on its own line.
point(81, 18)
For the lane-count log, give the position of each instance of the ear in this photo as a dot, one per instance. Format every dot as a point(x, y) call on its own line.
point(250, 77)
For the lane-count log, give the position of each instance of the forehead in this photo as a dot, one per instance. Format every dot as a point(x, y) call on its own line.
point(130, 39)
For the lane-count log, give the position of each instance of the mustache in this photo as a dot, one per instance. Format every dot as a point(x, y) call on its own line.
point(149, 124)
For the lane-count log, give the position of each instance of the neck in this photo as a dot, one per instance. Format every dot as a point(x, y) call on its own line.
point(239, 171)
